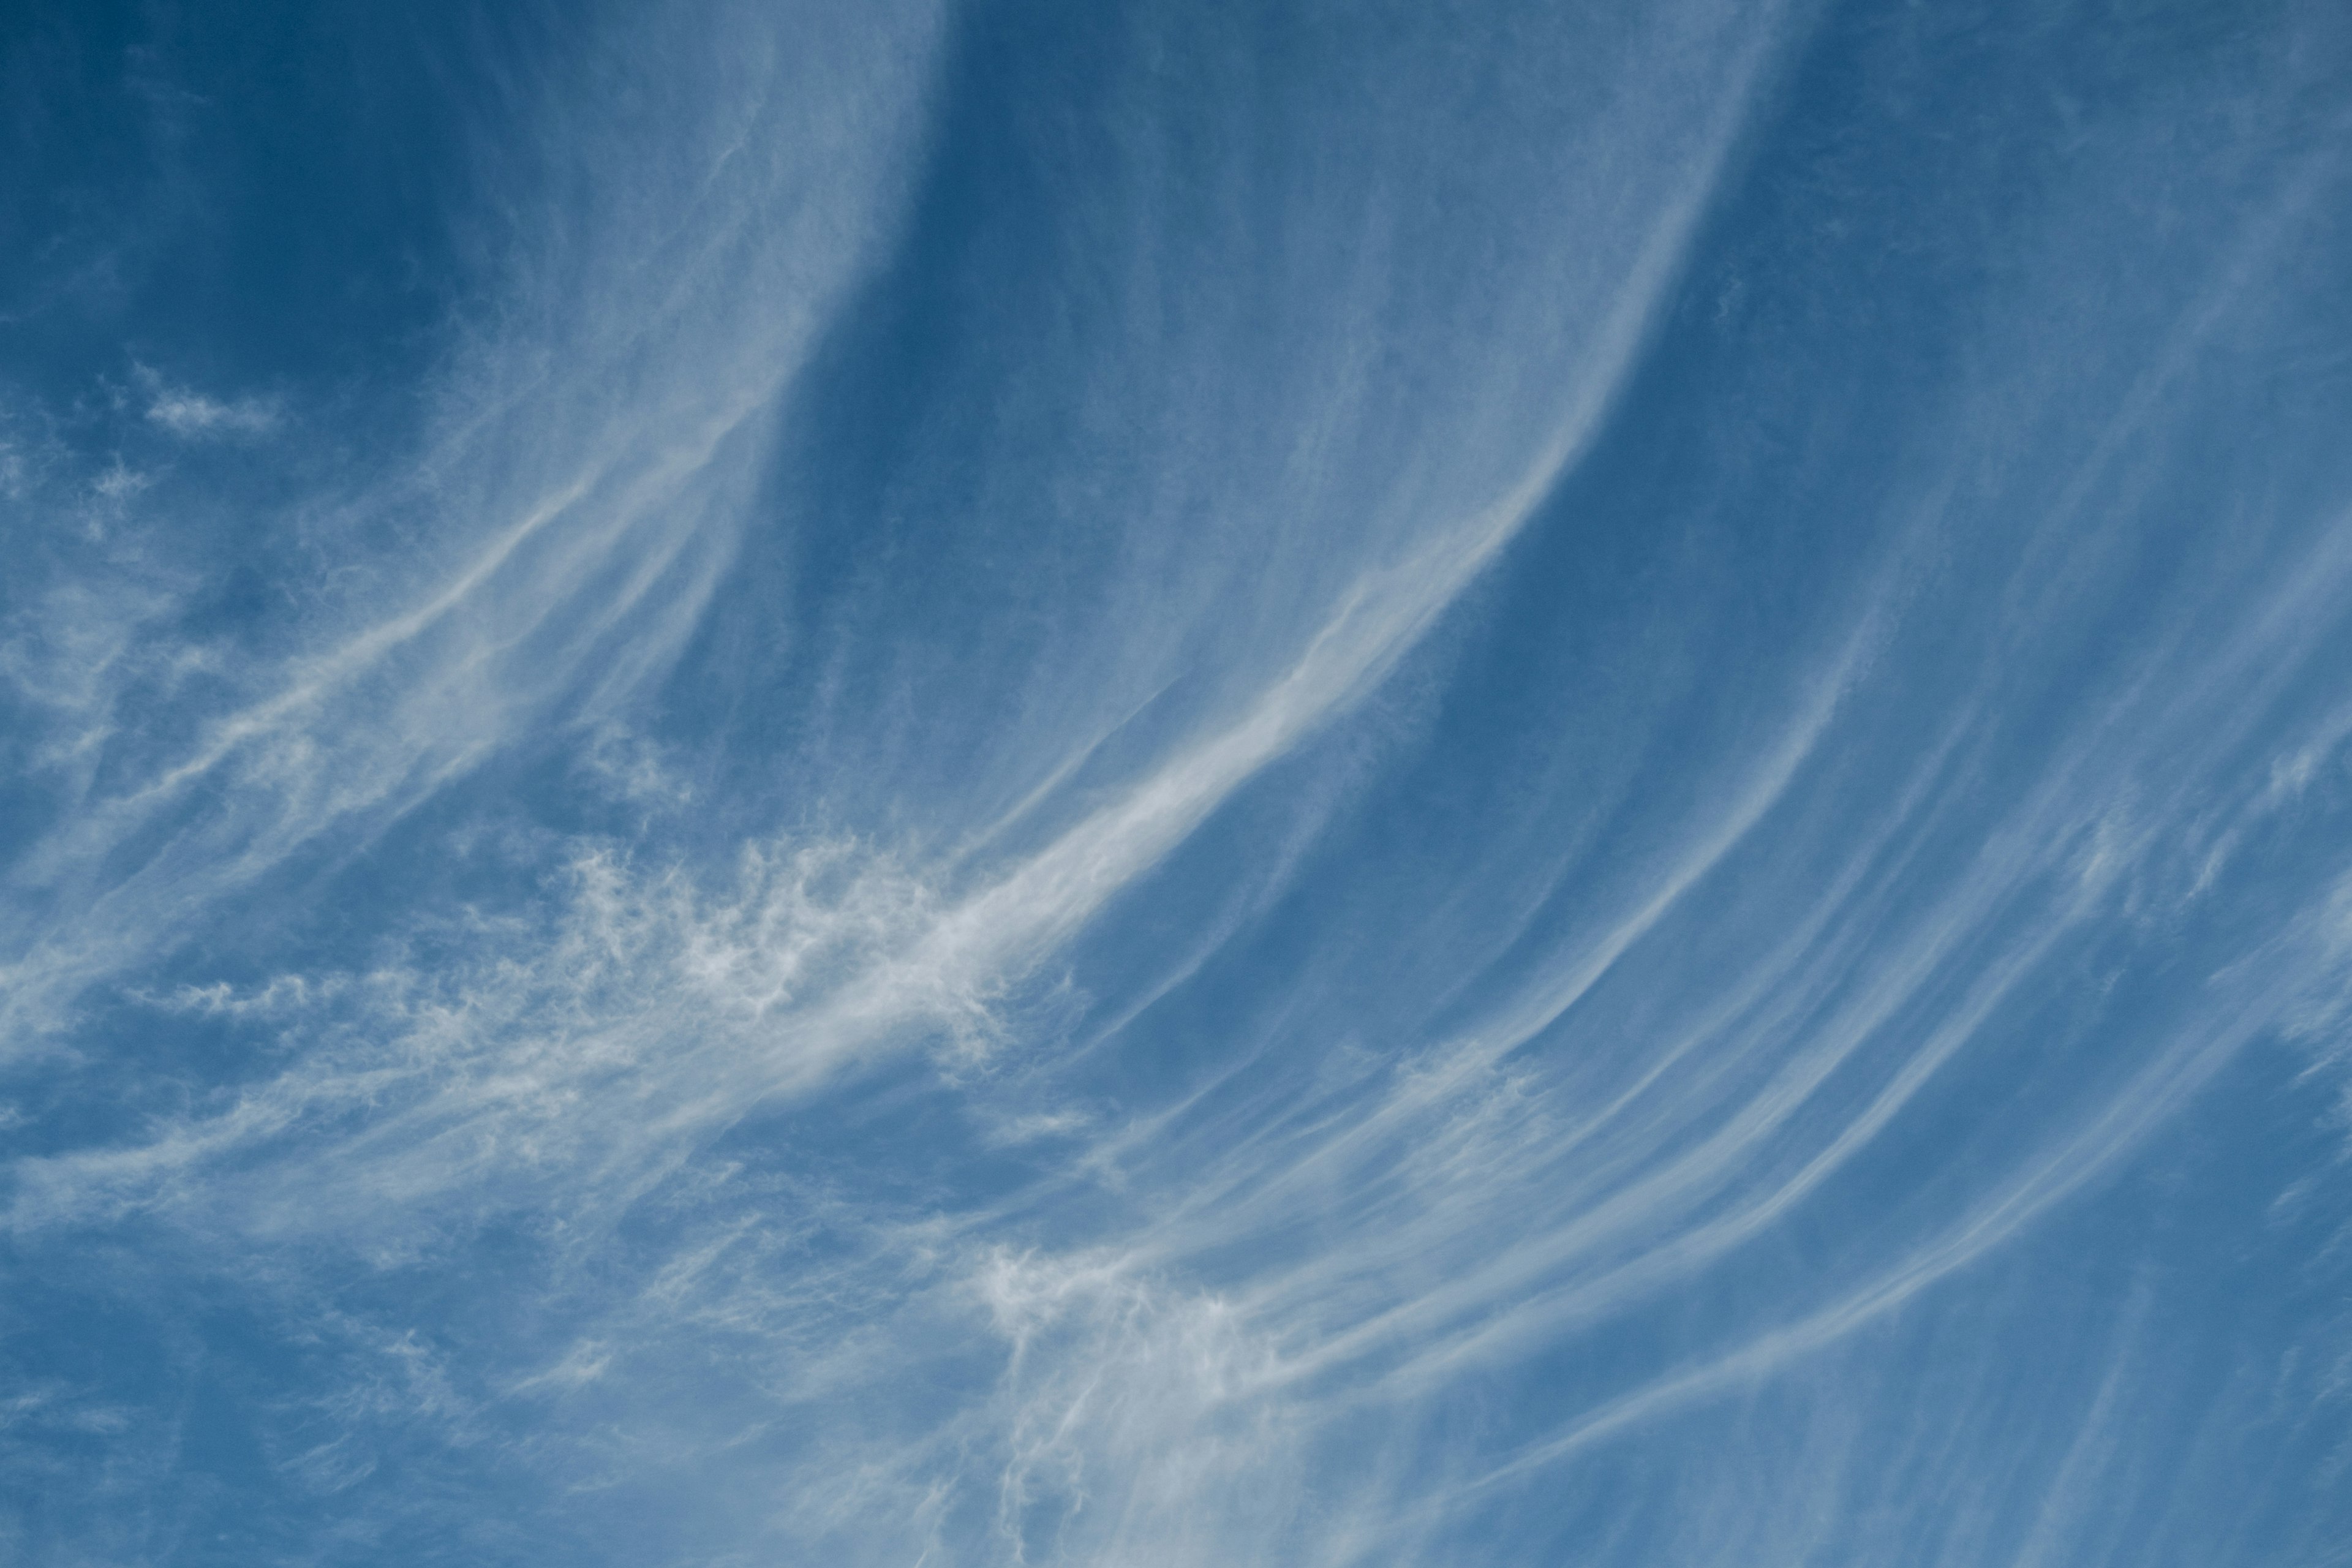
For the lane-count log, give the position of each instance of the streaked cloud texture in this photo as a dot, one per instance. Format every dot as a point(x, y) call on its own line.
point(1156, 785)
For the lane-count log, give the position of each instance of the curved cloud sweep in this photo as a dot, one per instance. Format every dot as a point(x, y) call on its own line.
point(1179, 785)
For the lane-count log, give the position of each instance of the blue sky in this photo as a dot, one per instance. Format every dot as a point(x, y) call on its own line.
point(1161, 784)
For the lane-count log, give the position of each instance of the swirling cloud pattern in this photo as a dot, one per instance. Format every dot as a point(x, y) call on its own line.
point(1153, 784)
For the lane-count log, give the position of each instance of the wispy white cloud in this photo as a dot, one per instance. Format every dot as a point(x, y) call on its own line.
point(577, 494)
point(193, 415)
point(1273, 1297)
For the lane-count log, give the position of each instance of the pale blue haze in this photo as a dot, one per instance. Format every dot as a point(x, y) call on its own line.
point(1154, 785)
